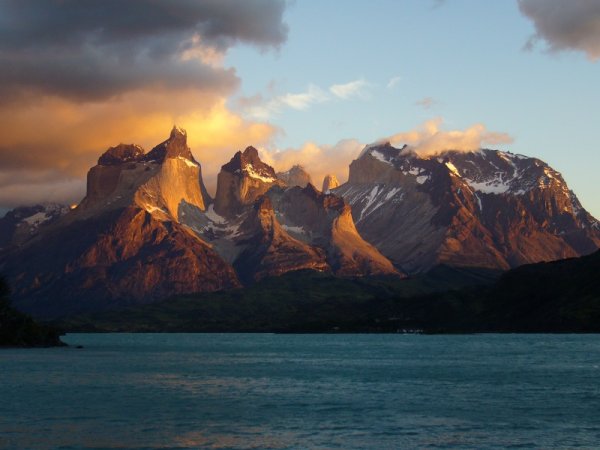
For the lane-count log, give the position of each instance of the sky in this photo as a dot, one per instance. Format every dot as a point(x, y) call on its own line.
point(305, 82)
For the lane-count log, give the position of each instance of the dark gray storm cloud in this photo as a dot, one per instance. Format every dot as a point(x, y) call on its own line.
point(565, 24)
point(95, 49)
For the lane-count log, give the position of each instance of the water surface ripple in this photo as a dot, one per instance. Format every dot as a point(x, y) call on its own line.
point(234, 391)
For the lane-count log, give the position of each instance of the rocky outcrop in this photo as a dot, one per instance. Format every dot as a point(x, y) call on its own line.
point(161, 182)
point(120, 154)
point(325, 221)
point(174, 147)
point(485, 209)
point(284, 228)
point(330, 182)
point(122, 257)
point(296, 176)
point(241, 181)
point(268, 250)
point(126, 242)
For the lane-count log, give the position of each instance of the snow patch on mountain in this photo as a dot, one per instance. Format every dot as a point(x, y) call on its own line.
point(380, 157)
point(293, 229)
point(380, 195)
point(213, 216)
point(188, 162)
point(252, 173)
point(494, 186)
point(37, 219)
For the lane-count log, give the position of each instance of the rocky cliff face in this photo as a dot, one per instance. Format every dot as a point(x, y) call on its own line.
point(264, 228)
point(121, 257)
point(486, 209)
point(241, 181)
point(147, 229)
point(161, 182)
point(296, 176)
point(325, 221)
point(125, 242)
point(267, 249)
point(330, 182)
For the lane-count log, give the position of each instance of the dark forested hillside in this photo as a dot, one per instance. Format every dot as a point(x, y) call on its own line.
point(20, 330)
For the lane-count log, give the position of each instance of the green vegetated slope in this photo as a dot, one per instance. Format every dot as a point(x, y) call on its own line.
point(303, 301)
point(561, 296)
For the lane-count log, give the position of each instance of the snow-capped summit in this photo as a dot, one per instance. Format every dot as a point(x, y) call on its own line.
point(241, 181)
point(484, 208)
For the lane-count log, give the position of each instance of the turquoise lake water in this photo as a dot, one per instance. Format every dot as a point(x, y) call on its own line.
point(139, 391)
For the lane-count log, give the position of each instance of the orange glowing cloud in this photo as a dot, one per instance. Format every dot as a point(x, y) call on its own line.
point(318, 160)
point(48, 146)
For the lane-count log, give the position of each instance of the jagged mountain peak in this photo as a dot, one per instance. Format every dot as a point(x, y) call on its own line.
point(487, 208)
point(484, 170)
point(330, 182)
point(295, 176)
point(249, 163)
point(174, 147)
point(160, 182)
point(177, 131)
point(241, 181)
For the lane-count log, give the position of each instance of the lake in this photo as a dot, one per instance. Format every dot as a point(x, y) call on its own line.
point(273, 391)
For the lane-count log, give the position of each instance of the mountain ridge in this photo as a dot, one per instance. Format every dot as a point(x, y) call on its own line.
point(486, 208)
point(147, 228)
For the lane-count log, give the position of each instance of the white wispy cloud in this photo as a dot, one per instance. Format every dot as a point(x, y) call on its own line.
point(352, 89)
point(303, 100)
point(393, 82)
point(259, 108)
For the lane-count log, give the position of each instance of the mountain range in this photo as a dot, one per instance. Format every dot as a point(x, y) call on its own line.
point(148, 229)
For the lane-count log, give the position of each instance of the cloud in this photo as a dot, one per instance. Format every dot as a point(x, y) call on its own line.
point(565, 25)
point(426, 102)
point(429, 139)
point(356, 88)
point(303, 100)
point(257, 107)
point(20, 188)
point(97, 49)
point(318, 160)
point(393, 82)
point(68, 138)
point(79, 77)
